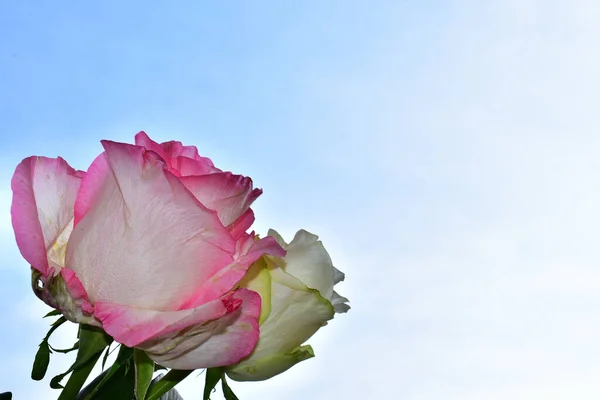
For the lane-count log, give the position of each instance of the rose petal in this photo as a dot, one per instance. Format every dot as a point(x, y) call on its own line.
point(248, 250)
point(182, 160)
point(339, 303)
point(297, 312)
point(44, 192)
point(132, 325)
point(142, 239)
point(228, 194)
point(186, 166)
point(242, 224)
point(215, 344)
point(307, 260)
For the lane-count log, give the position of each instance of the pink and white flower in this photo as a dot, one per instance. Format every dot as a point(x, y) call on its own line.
point(148, 244)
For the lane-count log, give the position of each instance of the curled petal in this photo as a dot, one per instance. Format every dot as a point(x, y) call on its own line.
point(307, 260)
point(248, 250)
point(339, 303)
point(181, 160)
point(338, 276)
point(44, 192)
point(241, 225)
point(221, 342)
point(228, 194)
point(133, 325)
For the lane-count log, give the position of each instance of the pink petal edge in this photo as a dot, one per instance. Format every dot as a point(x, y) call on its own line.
point(217, 345)
point(181, 160)
point(228, 194)
point(132, 326)
point(76, 290)
point(248, 250)
point(44, 191)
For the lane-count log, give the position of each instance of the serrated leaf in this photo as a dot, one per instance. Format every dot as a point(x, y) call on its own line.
point(213, 376)
point(144, 369)
point(41, 361)
point(227, 392)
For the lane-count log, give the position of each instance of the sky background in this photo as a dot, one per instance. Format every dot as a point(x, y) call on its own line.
point(446, 152)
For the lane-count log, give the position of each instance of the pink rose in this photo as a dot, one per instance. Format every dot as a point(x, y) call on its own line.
point(149, 244)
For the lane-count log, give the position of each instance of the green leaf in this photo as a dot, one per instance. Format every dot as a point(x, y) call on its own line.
point(55, 382)
point(52, 313)
point(166, 383)
point(227, 392)
point(54, 327)
point(158, 367)
point(92, 341)
point(144, 368)
point(78, 378)
point(40, 364)
point(119, 385)
point(213, 376)
point(42, 357)
point(107, 353)
point(123, 358)
point(6, 396)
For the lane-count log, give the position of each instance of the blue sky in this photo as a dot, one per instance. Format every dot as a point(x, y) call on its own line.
point(445, 152)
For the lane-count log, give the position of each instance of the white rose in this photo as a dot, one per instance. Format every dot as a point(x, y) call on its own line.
point(297, 299)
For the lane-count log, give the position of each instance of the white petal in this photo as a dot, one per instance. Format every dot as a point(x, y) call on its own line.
point(297, 312)
point(339, 303)
point(307, 260)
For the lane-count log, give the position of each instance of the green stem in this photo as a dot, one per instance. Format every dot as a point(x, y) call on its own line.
point(166, 383)
point(78, 378)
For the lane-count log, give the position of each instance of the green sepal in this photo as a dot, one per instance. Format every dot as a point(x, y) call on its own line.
point(144, 369)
